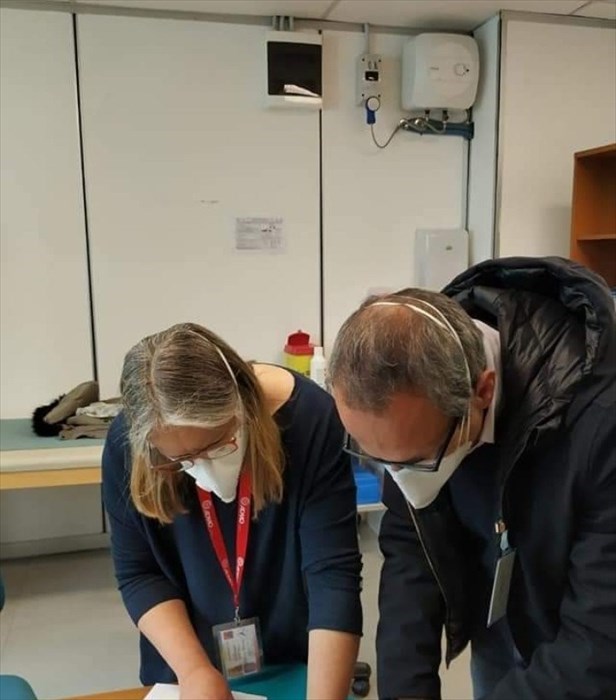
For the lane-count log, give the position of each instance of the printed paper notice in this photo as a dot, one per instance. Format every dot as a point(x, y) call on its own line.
point(260, 233)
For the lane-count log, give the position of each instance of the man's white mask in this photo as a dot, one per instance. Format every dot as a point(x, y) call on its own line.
point(421, 488)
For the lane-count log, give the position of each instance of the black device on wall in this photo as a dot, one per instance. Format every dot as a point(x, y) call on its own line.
point(294, 70)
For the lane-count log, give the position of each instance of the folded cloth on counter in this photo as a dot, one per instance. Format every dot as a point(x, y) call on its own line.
point(88, 420)
point(74, 432)
point(82, 395)
point(101, 409)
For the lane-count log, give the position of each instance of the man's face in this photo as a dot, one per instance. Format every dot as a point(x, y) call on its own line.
point(411, 428)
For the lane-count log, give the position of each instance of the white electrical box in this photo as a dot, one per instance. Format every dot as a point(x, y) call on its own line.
point(294, 70)
point(440, 71)
point(368, 77)
point(440, 255)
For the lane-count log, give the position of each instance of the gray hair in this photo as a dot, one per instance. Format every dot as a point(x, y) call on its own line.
point(382, 350)
point(181, 376)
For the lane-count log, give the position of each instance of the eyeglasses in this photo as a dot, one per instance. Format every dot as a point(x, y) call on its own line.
point(352, 447)
point(160, 463)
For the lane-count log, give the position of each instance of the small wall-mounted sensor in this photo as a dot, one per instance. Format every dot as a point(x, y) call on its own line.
point(368, 77)
point(440, 71)
point(440, 255)
point(294, 70)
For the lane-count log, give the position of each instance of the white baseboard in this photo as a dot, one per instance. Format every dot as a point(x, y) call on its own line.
point(53, 545)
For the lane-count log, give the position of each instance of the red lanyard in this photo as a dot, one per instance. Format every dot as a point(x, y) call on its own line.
point(241, 538)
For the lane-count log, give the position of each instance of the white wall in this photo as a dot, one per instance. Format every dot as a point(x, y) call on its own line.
point(482, 167)
point(558, 96)
point(45, 344)
point(45, 339)
point(177, 144)
point(374, 200)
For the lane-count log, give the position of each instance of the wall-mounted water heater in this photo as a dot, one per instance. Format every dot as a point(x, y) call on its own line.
point(294, 70)
point(439, 71)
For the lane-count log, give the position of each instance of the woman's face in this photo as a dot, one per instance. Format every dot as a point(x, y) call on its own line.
point(176, 442)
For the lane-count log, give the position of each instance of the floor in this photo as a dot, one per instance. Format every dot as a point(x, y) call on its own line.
point(64, 628)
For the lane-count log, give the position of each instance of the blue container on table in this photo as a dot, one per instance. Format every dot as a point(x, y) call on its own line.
point(368, 485)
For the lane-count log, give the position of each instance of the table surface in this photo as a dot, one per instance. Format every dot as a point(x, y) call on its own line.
point(16, 434)
point(278, 682)
point(129, 694)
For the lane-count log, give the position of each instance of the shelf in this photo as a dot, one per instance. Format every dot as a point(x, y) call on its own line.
point(593, 212)
point(608, 151)
point(603, 237)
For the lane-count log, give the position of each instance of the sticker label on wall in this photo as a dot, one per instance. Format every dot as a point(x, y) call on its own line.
point(260, 233)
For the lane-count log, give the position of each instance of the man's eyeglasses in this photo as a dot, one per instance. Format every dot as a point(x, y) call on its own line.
point(160, 463)
point(351, 447)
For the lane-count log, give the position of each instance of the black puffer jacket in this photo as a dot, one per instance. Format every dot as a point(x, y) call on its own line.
point(556, 464)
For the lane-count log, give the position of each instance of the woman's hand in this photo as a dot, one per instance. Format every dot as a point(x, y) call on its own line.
point(170, 630)
point(204, 683)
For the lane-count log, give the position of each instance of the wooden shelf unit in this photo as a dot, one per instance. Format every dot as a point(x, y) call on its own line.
point(593, 215)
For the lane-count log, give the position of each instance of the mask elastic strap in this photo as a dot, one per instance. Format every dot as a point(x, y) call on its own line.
point(443, 322)
point(232, 375)
point(227, 365)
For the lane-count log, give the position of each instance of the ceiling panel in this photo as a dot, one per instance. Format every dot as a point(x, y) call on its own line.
point(294, 8)
point(445, 14)
point(430, 14)
point(603, 10)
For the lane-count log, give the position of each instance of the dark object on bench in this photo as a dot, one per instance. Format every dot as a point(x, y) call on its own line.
point(361, 679)
point(40, 426)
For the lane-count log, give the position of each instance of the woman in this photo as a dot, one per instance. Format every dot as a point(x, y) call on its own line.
point(195, 563)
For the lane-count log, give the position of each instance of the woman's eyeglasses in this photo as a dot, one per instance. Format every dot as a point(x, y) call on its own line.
point(160, 463)
point(352, 447)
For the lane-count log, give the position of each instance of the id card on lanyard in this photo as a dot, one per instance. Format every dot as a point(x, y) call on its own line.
point(239, 642)
point(502, 577)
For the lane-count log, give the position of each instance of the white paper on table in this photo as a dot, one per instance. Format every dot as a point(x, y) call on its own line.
point(167, 691)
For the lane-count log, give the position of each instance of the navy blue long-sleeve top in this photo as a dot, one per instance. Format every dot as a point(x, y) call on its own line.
point(303, 567)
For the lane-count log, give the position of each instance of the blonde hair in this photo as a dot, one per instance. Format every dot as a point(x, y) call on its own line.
point(179, 378)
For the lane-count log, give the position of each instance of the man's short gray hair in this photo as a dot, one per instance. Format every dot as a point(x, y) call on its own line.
point(382, 350)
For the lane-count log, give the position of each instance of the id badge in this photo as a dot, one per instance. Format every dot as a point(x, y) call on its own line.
point(239, 647)
point(500, 589)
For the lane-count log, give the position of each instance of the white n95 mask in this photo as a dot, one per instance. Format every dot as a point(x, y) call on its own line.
point(421, 488)
point(221, 475)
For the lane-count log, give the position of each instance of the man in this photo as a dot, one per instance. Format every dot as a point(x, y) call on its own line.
point(491, 410)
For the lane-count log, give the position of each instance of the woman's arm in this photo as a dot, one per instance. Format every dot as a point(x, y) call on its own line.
point(152, 600)
point(331, 661)
point(168, 627)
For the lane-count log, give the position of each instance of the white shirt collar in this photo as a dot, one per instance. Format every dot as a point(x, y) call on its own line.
point(492, 347)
